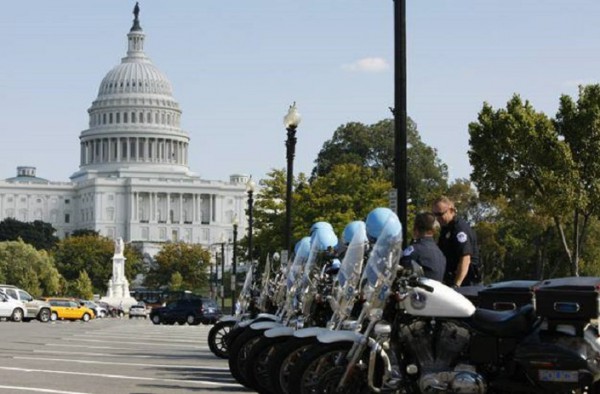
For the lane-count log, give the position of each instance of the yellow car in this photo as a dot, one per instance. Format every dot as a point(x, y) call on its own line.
point(66, 308)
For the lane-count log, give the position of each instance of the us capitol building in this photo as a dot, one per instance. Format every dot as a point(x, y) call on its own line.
point(133, 180)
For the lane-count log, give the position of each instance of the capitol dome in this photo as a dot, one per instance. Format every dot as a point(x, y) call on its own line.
point(134, 122)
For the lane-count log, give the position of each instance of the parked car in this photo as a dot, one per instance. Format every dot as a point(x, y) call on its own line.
point(188, 310)
point(138, 311)
point(67, 308)
point(36, 309)
point(113, 311)
point(12, 309)
point(212, 312)
point(99, 310)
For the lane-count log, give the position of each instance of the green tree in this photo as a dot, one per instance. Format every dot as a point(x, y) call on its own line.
point(373, 146)
point(347, 192)
point(24, 266)
point(37, 233)
point(176, 282)
point(94, 254)
point(516, 153)
point(190, 261)
point(82, 287)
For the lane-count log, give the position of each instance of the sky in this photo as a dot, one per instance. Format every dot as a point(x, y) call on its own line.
point(237, 65)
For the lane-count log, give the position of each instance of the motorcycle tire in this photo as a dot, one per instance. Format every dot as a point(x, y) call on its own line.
point(318, 371)
point(217, 338)
point(283, 360)
point(238, 353)
point(257, 372)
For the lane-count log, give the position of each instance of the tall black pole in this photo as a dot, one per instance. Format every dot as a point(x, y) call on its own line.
point(290, 145)
point(400, 121)
point(250, 223)
point(223, 276)
point(234, 269)
point(211, 280)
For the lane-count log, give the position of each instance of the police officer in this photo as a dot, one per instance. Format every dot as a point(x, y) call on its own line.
point(424, 250)
point(458, 242)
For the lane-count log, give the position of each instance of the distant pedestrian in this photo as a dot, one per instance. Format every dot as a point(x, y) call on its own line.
point(424, 249)
point(458, 242)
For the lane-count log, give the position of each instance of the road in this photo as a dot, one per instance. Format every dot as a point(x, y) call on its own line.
point(114, 356)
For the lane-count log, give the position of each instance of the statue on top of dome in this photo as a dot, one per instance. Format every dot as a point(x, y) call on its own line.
point(136, 10)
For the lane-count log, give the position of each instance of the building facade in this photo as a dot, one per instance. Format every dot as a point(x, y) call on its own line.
point(133, 180)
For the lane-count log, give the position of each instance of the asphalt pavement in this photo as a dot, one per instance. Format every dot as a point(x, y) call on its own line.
point(115, 356)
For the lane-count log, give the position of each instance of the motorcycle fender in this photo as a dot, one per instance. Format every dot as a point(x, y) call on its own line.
point(310, 332)
point(279, 332)
point(245, 323)
point(265, 325)
point(229, 318)
point(339, 336)
point(268, 316)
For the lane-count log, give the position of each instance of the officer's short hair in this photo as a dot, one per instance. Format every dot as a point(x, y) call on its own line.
point(425, 222)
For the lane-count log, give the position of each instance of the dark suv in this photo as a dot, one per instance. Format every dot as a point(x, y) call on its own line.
point(187, 310)
point(212, 312)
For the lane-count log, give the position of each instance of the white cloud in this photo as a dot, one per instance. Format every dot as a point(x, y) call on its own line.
point(368, 64)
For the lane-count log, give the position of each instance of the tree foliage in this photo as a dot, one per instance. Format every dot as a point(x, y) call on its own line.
point(190, 261)
point(82, 287)
point(93, 254)
point(24, 266)
point(39, 234)
point(372, 146)
point(550, 167)
point(347, 192)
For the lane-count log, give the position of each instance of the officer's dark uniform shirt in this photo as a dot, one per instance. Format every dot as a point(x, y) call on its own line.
point(426, 253)
point(458, 239)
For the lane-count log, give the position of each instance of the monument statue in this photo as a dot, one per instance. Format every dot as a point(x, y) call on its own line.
point(136, 10)
point(119, 246)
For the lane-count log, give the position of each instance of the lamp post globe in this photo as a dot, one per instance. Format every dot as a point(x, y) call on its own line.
point(290, 121)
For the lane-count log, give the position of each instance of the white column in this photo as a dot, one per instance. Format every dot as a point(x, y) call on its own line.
point(180, 207)
point(168, 207)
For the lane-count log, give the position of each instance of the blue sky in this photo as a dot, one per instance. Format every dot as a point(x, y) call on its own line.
point(237, 65)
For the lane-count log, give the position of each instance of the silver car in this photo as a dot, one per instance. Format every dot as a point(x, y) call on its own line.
point(138, 311)
point(35, 309)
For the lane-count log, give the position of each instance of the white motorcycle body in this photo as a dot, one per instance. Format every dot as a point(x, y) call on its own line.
point(442, 302)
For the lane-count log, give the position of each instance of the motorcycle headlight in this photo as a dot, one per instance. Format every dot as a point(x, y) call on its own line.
point(350, 325)
point(382, 330)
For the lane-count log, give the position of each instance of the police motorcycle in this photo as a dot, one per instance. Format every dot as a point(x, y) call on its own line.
point(323, 365)
point(249, 308)
point(244, 332)
point(302, 305)
point(440, 343)
point(275, 352)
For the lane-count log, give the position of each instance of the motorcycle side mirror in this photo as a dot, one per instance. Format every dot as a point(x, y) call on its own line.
point(417, 269)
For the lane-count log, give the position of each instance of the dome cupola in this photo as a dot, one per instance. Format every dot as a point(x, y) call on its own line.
point(134, 123)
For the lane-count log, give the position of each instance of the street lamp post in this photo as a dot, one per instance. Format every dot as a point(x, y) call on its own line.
point(250, 186)
point(291, 121)
point(222, 271)
point(234, 266)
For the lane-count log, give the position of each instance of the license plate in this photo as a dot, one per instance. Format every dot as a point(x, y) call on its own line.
point(553, 375)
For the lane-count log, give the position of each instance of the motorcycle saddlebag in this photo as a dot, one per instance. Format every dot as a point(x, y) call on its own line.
point(506, 296)
point(565, 299)
point(471, 293)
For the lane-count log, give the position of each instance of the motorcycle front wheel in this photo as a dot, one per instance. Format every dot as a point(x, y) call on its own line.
point(258, 374)
point(284, 359)
point(320, 370)
point(217, 338)
point(239, 351)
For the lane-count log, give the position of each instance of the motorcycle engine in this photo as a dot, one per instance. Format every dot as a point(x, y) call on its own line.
point(437, 348)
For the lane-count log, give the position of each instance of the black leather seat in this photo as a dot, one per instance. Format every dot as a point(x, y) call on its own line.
point(505, 324)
